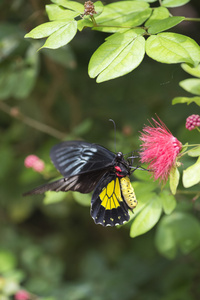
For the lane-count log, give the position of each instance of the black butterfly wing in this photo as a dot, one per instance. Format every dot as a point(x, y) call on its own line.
point(83, 183)
point(82, 164)
point(77, 157)
point(108, 206)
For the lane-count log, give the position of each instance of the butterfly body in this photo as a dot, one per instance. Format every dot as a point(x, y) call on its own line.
point(86, 167)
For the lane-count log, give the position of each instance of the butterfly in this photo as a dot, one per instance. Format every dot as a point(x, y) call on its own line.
point(87, 167)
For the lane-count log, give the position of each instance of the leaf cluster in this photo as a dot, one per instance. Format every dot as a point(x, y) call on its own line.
point(135, 27)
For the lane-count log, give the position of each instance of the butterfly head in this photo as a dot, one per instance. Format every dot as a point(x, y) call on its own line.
point(121, 166)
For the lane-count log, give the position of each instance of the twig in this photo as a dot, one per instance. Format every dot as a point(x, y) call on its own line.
point(15, 113)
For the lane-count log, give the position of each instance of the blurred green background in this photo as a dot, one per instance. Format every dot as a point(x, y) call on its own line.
point(56, 251)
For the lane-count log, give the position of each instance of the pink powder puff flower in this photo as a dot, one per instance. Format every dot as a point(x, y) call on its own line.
point(159, 149)
point(22, 295)
point(33, 161)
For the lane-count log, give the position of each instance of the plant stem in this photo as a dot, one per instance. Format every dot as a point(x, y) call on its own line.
point(192, 19)
point(15, 113)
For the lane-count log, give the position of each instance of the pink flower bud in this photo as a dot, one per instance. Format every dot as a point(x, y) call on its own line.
point(33, 161)
point(22, 295)
point(38, 166)
point(192, 122)
point(30, 160)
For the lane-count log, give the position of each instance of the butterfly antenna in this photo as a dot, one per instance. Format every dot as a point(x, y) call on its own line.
point(111, 120)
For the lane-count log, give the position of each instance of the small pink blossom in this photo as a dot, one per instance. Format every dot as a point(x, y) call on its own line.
point(30, 160)
point(22, 295)
point(159, 149)
point(33, 161)
point(192, 122)
point(38, 166)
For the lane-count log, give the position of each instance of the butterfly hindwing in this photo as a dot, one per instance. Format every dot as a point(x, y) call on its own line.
point(76, 157)
point(108, 206)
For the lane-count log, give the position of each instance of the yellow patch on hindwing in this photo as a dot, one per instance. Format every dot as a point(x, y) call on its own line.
point(111, 195)
point(128, 192)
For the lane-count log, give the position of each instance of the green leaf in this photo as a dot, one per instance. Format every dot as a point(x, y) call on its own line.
point(168, 202)
point(173, 48)
point(174, 177)
point(132, 20)
point(159, 13)
point(174, 3)
point(45, 29)
point(119, 55)
point(191, 85)
point(54, 197)
point(191, 175)
point(194, 152)
point(121, 12)
point(99, 7)
point(83, 199)
point(62, 36)
point(144, 188)
point(147, 217)
point(83, 23)
point(7, 261)
point(192, 71)
point(56, 12)
point(164, 24)
point(150, 1)
point(73, 5)
point(187, 100)
point(178, 230)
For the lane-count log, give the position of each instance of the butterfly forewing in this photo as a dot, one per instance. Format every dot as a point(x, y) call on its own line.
point(77, 157)
point(108, 207)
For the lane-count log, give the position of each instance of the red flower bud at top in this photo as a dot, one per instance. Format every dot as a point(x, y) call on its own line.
point(192, 122)
point(159, 149)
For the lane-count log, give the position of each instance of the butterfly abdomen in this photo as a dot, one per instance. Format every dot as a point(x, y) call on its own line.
point(128, 192)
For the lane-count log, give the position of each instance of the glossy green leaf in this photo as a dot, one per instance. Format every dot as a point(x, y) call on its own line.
point(73, 5)
point(150, 1)
point(174, 3)
point(132, 20)
point(187, 100)
point(173, 48)
point(83, 23)
point(164, 24)
point(62, 36)
point(99, 7)
point(194, 152)
point(177, 231)
point(168, 202)
point(174, 177)
point(58, 13)
point(83, 199)
point(54, 197)
point(147, 217)
point(191, 85)
point(119, 55)
point(121, 12)
point(191, 175)
point(159, 13)
point(192, 71)
point(45, 29)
